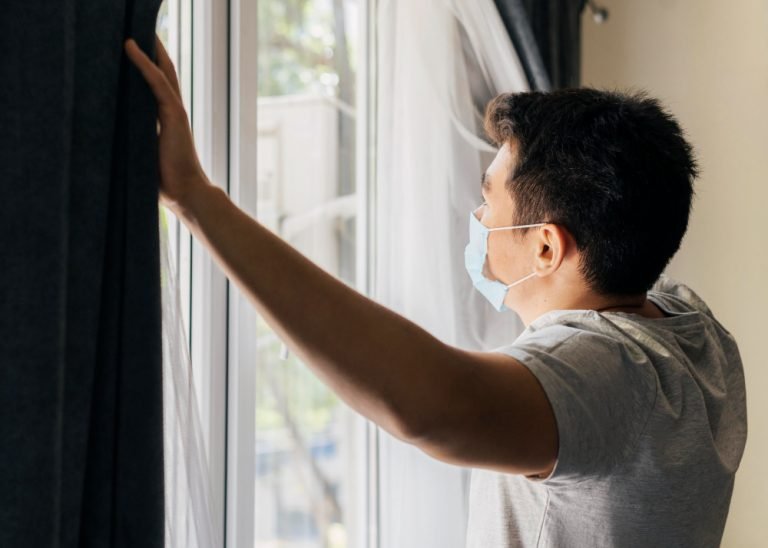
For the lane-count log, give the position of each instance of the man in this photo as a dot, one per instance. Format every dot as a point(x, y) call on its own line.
point(617, 418)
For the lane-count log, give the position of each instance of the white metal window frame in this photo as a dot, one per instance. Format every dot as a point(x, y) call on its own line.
point(197, 42)
point(366, 101)
point(216, 53)
point(243, 38)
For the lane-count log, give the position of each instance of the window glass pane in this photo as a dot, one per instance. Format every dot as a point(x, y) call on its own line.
point(306, 194)
point(163, 23)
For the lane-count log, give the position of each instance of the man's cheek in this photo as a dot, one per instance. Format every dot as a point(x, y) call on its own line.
point(491, 267)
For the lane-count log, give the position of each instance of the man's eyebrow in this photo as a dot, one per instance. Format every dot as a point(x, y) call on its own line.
point(484, 182)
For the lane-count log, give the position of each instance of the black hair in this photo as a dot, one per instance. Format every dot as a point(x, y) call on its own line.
point(612, 168)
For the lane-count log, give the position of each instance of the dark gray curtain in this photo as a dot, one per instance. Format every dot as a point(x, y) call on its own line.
point(547, 37)
point(81, 448)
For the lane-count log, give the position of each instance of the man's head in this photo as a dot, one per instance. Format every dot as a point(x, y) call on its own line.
point(611, 171)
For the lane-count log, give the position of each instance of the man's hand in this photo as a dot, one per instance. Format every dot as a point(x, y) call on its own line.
point(180, 171)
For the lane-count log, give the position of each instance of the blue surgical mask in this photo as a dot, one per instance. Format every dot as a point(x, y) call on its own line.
point(475, 255)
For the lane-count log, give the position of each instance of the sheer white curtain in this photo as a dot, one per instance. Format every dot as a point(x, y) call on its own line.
point(189, 518)
point(440, 61)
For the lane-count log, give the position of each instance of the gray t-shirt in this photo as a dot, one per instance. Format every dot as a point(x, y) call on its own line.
point(651, 415)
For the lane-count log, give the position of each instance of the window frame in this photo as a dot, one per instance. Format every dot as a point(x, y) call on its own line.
point(217, 77)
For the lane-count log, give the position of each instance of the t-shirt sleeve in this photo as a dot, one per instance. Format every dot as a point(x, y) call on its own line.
point(602, 391)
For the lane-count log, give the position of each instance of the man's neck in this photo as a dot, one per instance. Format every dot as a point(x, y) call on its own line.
point(632, 304)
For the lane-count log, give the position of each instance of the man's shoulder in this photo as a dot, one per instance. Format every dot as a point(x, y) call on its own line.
point(679, 296)
point(562, 330)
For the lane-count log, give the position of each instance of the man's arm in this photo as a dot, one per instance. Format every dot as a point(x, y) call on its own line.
point(462, 407)
point(474, 409)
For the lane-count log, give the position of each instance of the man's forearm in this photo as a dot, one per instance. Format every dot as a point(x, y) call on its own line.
point(381, 364)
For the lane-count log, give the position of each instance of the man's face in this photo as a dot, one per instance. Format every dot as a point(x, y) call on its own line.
point(508, 259)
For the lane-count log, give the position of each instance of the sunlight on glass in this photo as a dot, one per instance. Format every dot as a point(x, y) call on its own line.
point(305, 193)
point(163, 23)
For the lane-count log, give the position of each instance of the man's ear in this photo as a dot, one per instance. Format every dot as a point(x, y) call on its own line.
point(551, 244)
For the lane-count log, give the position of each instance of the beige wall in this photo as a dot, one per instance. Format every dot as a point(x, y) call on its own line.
point(707, 60)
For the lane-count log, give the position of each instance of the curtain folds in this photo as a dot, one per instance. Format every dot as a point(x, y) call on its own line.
point(440, 62)
point(547, 36)
point(190, 521)
point(81, 440)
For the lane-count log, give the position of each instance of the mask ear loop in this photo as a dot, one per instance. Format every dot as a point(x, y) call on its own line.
point(521, 280)
point(515, 227)
point(535, 225)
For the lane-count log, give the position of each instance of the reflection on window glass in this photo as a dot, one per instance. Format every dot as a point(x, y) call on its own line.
point(163, 22)
point(305, 193)
point(162, 28)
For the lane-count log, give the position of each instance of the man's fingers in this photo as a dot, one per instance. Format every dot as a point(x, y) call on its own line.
point(154, 76)
point(165, 63)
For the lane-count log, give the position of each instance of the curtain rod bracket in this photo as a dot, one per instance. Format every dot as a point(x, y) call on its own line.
point(599, 13)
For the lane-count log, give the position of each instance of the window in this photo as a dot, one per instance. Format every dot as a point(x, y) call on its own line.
point(307, 487)
point(284, 132)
